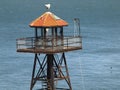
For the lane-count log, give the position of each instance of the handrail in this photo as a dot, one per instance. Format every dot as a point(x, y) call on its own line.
point(48, 42)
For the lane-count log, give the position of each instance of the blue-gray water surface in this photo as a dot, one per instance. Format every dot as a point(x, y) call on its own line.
point(95, 67)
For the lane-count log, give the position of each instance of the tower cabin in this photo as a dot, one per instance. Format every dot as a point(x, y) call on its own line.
point(49, 39)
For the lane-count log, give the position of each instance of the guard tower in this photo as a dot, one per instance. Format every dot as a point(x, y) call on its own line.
point(51, 42)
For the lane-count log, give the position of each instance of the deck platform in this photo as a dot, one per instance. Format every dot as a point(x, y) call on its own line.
point(49, 46)
point(48, 50)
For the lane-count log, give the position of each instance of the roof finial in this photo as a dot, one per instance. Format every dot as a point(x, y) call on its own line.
point(47, 6)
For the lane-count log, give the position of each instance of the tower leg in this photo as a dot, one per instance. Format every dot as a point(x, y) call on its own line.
point(51, 69)
point(69, 83)
point(33, 73)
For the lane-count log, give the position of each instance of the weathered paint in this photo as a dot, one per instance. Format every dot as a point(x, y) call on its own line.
point(48, 19)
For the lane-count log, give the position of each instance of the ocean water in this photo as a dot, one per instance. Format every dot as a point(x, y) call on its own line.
point(95, 67)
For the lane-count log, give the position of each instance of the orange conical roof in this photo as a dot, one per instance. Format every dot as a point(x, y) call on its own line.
point(48, 19)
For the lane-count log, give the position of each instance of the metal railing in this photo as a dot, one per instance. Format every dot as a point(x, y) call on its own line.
point(48, 43)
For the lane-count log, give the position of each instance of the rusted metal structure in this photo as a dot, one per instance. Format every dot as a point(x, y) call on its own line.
point(50, 41)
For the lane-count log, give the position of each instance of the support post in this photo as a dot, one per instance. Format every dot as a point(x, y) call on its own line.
point(36, 33)
point(50, 72)
point(69, 83)
point(62, 36)
point(33, 73)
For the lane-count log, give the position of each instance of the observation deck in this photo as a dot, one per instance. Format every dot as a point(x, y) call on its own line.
point(49, 45)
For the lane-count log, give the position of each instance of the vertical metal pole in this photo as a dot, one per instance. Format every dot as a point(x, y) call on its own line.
point(45, 35)
point(53, 38)
point(62, 36)
point(56, 32)
point(36, 34)
point(50, 72)
point(44, 32)
point(56, 36)
point(33, 72)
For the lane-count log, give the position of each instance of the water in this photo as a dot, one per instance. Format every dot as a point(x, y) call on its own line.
point(95, 67)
